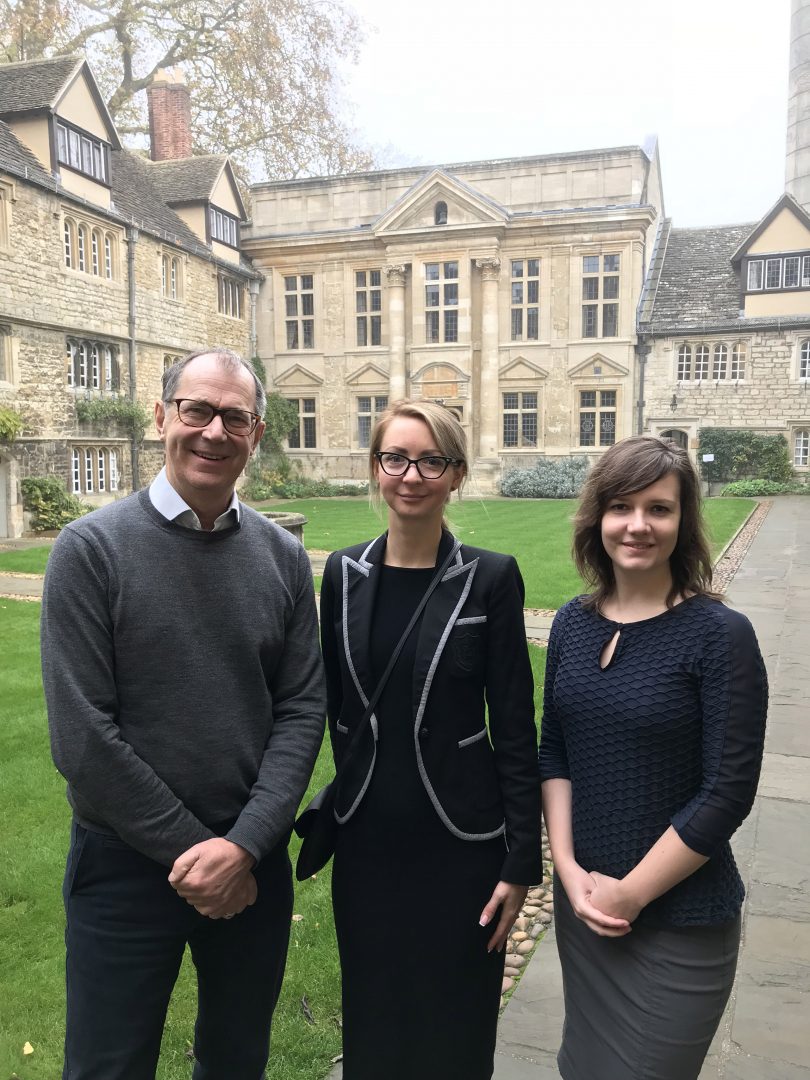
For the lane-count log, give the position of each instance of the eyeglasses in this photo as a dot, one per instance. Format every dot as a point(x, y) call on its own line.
point(429, 468)
point(199, 414)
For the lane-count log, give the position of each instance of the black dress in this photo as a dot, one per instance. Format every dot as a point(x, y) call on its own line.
point(420, 991)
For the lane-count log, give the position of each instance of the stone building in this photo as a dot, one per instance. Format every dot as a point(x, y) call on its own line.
point(724, 330)
point(506, 289)
point(111, 265)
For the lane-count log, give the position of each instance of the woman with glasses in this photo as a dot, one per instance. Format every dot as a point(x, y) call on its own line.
point(438, 802)
point(653, 727)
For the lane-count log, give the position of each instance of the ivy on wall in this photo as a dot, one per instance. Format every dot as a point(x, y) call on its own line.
point(129, 415)
point(740, 455)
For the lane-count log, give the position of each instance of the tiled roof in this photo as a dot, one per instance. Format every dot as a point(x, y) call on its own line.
point(136, 196)
point(694, 286)
point(17, 159)
point(187, 180)
point(34, 84)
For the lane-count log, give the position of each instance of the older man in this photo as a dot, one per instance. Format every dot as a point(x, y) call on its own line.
point(185, 701)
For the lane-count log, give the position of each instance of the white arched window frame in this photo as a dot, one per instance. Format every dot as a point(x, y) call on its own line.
point(684, 363)
point(83, 358)
point(804, 359)
point(113, 470)
point(95, 367)
point(108, 368)
point(720, 364)
point(108, 256)
point(701, 362)
point(174, 280)
point(71, 363)
point(88, 471)
point(75, 472)
point(801, 448)
point(82, 248)
point(738, 358)
point(70, 243)
point(95, 245)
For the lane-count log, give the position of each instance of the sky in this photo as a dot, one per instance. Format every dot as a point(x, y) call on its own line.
point(443, 81)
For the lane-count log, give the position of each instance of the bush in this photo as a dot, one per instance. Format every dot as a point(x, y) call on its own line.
point(10, 423)
point(750, 489)
point(274, 483)
point(131, 416)
point(743, 455)
point(548, 479)
point(52, 506)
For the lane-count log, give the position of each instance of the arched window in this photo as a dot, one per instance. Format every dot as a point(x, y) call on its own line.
point(70, 243)
point(702, 362)
point(440, 213)
point(92, 365)
point(738, 361)
point(109, 268)
point(720, 361)
point(95, 380)
point(804, 360)
point(93, 469)
point(801, 448)
point(82, 247)
point(677, 436)
point(174, 283)
point(71, 364)
point(684, 363)
point(95, 252)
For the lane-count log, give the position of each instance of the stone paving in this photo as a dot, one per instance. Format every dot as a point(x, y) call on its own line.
point(765, 1033)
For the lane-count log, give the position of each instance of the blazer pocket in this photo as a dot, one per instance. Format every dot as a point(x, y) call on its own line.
point(466, 645)
point(482, 734)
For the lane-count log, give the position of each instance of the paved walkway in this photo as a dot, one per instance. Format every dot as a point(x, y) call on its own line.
point(765, 1033)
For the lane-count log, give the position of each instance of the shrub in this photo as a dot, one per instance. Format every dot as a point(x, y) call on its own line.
point(750, 489)
point(742, 455)
point(52, 506)
point(286, 483)
point(131, 416)
point(548, 479)
point(10, 423)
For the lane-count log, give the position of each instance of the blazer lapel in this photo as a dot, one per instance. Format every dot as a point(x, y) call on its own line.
point(440, 615)
point(360, 581)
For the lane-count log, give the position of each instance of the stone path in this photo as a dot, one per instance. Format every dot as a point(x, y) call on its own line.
point(765, 1033)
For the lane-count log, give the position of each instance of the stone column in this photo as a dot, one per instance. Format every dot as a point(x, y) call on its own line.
point(395, 273)
point(797, 162)
point(488, 404)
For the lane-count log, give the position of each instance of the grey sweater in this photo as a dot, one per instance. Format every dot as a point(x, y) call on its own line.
point(182, 676)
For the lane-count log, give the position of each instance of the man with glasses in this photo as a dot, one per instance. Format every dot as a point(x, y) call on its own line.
point(185, 700)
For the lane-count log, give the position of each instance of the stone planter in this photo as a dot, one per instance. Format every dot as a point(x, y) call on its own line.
point(293, 523)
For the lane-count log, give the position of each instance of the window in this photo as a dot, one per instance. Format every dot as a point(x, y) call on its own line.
point(778, 272)
point(525, 299)
point(81, 151)
point(304, 434)
point(171, 277)
point(701, 362)
point(70, 243)
point(738, 361)
point(755, 276)
point(441, 302)
point(720, 362)
point(224, 227)
point(169, 359)
point(597, 417)
point(684, 363)
point(5, 215)
point(5, 354)
point(440, 213)
point(368, 409)
point(520, 418)
point(773, 273)
point(92, 365)
point(801, 448)
point(93, 469)
point(88, 248)
point(680, 438)
point(600, 294)
point(229, 296)
point(367, 301)
point(299, 311)
point(804, 360)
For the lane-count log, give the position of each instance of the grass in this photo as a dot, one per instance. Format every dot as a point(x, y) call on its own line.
point(536, 532)
point(25, 560)
point(34, 825)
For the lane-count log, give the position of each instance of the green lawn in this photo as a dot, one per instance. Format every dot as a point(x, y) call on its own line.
point(26, 560)
point(536, 532)
point(34, 823)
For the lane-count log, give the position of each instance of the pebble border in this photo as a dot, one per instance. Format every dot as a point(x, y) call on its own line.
point(538, 910)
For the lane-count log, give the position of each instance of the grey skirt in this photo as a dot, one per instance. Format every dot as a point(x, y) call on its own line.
point(645, 1006)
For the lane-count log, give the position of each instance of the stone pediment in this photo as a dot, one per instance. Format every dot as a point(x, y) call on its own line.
point(522, 370)
point(439, 372)
point(368, 375)
point(297, 376)
point(416, 209)
point(595, 366)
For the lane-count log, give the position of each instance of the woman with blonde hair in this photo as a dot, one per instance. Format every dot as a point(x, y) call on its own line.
point(438, 802)
point(652, 735)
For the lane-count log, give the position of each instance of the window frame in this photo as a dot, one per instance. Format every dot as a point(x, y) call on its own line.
point(525, 307)
point(83, 141)
point(601, 411)
point(299, 323)
point(801, 447)
point(378, 403)
point(441, 318)
point(230, 297)
point(93, 469)
point(304, 415)
point(600, 308)
point(521, 411)
point(92, 365)
point(367, 318)
point(223, 227)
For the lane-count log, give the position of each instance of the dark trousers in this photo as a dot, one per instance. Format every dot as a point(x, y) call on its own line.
point(125, 935)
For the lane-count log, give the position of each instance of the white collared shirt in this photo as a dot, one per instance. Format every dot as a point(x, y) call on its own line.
point(174, 508)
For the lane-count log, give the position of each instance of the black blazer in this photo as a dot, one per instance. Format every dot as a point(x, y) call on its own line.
point(480, 775)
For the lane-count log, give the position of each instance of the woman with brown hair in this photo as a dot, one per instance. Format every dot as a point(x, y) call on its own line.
point(653, 726)
point(438, 803)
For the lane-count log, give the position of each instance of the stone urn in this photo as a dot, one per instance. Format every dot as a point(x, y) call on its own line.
point(293, 523)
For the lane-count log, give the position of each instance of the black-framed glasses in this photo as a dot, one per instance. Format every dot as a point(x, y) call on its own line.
point(430, 467)
point(199, 414)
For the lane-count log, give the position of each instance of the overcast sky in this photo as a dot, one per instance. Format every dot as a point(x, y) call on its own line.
point(442, 81)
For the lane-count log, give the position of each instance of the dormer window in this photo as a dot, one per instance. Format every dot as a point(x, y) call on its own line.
point(778, 272)
point(440, 213)
point(81, 151)
point(224, 227)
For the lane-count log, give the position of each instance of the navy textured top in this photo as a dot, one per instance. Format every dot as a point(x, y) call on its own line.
point(669, 733)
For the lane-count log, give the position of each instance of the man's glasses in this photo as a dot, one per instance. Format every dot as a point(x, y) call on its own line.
point(429, 468)
point(199, 414)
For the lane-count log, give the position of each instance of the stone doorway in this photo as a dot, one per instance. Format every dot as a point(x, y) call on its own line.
point(679, 437)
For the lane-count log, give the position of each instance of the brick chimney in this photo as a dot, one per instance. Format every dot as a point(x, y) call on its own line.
point(169, 115)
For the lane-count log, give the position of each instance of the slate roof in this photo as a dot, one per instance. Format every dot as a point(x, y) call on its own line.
point(18, 160)
point(34, 84)
point(187, 180)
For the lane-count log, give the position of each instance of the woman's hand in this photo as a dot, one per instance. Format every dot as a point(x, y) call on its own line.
point(509, 898)
point(612, 897)
point(580, 886)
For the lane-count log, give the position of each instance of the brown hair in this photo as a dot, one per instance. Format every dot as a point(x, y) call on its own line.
point(443, 424)
point(630, 466)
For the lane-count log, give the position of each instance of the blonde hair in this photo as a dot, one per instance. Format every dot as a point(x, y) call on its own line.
point(443, 424)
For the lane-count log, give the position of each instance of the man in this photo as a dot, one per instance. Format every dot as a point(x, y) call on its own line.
point(185, 702)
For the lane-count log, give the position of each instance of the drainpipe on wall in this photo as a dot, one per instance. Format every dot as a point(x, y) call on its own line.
point(132, 239)
point(642, 352)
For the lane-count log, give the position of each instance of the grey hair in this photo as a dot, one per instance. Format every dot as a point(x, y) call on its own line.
point(229, 359)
